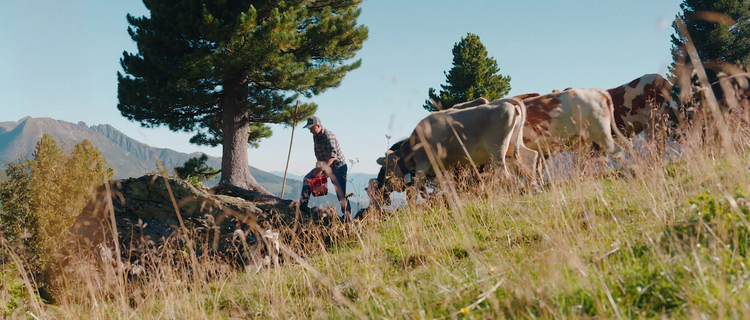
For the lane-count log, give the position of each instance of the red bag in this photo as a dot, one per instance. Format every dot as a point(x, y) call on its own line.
point(318, 185)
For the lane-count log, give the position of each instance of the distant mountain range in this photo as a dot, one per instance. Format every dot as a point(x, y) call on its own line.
point(127, 156)
point(131, 158)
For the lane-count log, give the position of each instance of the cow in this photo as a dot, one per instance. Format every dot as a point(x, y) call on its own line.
point(640, 102)
point(379, 182)
point(556, 119)
point(463, 136)
point(383, 189)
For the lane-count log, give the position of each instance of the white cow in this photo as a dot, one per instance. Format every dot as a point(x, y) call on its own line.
point(478, 134)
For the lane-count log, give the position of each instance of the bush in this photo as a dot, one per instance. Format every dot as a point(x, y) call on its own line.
point(196, 171)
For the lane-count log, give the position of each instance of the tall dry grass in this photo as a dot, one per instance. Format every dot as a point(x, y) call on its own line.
point(594, 243)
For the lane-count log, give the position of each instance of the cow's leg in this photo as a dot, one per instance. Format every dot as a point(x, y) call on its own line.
point(605, 140)
point(419, 178)
point(527, 163)
point(498, 153)
point(524, 157)
point(601, 134)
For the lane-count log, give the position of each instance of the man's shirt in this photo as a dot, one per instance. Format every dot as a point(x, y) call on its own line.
point(327, 146)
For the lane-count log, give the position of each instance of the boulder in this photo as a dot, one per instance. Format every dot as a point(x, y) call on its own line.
point(153, 211)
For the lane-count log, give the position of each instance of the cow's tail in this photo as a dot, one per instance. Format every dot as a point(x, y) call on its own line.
point(518, 145)
point(518, 127)
point(611, 106)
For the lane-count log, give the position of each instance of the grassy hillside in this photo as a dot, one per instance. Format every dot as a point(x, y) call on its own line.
point(3, 178)
point(661, 239)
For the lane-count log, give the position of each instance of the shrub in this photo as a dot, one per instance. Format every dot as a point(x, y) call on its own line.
point(43, 196)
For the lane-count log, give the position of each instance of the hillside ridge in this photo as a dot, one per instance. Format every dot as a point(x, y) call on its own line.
point(127, 156)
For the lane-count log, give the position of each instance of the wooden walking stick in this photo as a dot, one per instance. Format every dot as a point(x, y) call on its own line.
point(289, 156)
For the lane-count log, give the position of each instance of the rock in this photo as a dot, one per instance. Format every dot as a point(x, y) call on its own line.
point(143, 210)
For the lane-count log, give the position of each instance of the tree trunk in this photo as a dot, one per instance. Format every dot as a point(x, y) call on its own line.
point(235, 168)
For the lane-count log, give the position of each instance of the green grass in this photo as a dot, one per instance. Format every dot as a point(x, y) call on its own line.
point(672, 242)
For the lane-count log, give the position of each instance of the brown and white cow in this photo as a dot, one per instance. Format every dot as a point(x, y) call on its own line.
point(639, 102)
point(556, 119)
point(479, 134)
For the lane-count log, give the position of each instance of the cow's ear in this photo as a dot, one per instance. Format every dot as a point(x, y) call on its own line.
point(389, 152)
point(381, 161)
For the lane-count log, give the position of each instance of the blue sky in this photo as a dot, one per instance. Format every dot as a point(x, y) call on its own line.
point(59, 59)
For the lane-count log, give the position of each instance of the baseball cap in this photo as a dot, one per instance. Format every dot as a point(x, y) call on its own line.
point(312, 121)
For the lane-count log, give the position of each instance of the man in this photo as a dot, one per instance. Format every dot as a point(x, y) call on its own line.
point(331, 161)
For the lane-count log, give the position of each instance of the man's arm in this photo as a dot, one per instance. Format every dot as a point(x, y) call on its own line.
point(328, 162)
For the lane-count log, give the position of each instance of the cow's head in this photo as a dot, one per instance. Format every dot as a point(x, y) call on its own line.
point(391, 175)
point(392, 165)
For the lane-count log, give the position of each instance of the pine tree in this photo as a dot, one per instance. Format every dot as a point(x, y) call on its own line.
point(223, 69)
point(719, 30)
point(473, 75)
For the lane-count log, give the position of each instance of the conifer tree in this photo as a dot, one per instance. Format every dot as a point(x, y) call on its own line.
point(473, 75)
point(719, 30)
point(223, 69)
